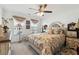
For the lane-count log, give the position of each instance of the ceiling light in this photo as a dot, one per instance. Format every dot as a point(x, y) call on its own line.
point(40, 14)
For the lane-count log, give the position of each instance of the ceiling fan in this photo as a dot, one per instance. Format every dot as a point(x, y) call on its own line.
point(41, 10)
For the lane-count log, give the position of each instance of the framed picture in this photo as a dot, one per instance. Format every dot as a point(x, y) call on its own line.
point(71, 27)
point(27, 24)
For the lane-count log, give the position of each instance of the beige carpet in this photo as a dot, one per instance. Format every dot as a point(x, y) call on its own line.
point(22, 48)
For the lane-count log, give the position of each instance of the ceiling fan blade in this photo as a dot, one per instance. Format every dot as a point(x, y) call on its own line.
point(36, 12)
point(33, 9)
point(45, 5)
point(47, 11)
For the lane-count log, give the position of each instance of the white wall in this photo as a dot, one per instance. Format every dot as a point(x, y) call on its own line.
point(63, 19)
point(62, 13)
point(1, 13)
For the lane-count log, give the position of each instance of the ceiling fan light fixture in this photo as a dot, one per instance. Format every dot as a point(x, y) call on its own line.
point(40, 14)
point(44, 9)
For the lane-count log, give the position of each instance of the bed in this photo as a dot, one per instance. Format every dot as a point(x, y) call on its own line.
point(47, 43)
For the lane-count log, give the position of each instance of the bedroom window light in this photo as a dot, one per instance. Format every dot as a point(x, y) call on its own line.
point(34, 28)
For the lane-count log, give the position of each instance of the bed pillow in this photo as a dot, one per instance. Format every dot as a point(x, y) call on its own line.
point(56, 30)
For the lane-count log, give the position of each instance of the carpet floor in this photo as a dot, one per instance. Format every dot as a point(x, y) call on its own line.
point(22, 48)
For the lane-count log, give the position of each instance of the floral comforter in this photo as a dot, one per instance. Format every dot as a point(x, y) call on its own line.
point(47, 43)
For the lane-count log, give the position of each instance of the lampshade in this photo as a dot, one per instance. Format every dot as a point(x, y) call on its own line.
point(40, 14)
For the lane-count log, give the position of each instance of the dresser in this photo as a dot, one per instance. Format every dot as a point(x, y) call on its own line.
point(4, 42)
point(4, 47)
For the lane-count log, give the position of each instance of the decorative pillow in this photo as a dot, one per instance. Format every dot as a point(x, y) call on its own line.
point(56, 30)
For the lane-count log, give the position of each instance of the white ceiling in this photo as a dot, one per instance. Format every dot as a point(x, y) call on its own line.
point(59, 10)
point(56, 8)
